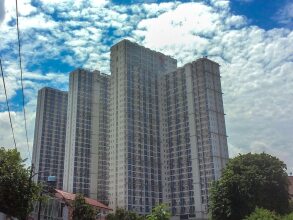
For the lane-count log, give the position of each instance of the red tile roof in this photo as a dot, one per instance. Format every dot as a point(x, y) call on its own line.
point(70, 196)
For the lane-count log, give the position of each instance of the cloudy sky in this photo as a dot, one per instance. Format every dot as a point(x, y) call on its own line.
point(251, 39)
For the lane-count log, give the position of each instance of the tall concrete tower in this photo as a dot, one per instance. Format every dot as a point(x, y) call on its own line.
point(86, 158)
point(49, 137)
point(194, 141)
point(135, 153)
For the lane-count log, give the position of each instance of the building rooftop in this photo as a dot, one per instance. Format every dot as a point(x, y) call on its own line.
point(146, 48)
point(70, 197)
point(54, 89)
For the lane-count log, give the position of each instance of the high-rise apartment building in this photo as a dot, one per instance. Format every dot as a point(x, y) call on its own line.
point(86, 158)
point(148, 133)
point(167, 131)
point(135, 181)
point(49, 137)
point(194, 141)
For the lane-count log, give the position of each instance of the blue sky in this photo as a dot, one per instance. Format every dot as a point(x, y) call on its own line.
point(266, 14)
point(251, 39)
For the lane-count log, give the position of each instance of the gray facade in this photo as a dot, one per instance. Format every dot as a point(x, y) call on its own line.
point(49, 136)
point(135, 157)
point(86, 158)
point(194, 141)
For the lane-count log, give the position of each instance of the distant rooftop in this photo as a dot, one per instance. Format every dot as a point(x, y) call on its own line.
point(70, 197)
point(136, 44)
point(50, 88)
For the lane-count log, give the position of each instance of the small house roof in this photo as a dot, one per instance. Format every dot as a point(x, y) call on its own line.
point(70, 197)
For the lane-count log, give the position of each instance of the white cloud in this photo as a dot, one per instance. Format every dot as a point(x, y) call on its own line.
point(220, 4)
point(38, 21)
point(25, 8)
point(98, 3)
point(18, 125)
point(285, 14)
point(12, 81)
point(32, 80)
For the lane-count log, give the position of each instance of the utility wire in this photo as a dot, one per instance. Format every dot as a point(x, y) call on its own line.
point(7, 104)
point(21, 80)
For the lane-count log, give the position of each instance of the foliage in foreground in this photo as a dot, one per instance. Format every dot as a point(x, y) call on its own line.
point(288, 217)
point(160, 212)
point(250, 181)
point(17, 190)
point(122, 214)
point(81, 210)
point(264, 214)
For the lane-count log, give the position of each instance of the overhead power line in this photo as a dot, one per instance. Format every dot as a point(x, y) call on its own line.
point(21, 80)
point(8, 109)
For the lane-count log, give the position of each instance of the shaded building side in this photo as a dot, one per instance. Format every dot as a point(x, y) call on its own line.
point(49, 136)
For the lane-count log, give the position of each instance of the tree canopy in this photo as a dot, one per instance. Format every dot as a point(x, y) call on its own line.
point(160, 212)
point(81, 210)
point(250, 181)
point(262, 214)
point(17, 190)
point(122, 214)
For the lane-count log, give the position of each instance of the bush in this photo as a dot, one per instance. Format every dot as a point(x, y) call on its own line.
point(288, 217)
point(160, 212)
point(122, 214)
point(263, 214)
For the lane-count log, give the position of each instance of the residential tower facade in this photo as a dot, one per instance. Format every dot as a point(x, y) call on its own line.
point(86, 157)
point(135, 181)
point(49, 136)
point(194, 141)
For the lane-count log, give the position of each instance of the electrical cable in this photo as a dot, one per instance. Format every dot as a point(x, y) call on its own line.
point(21, 80)
point(8, 109)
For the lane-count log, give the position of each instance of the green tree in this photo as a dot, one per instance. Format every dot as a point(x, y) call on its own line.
point(17, 190)
point(82, 210)
point(122, 214)
point(160, 212)
point(110, 216)
point(288, 217)
point(250, 181)
point(263, 214)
